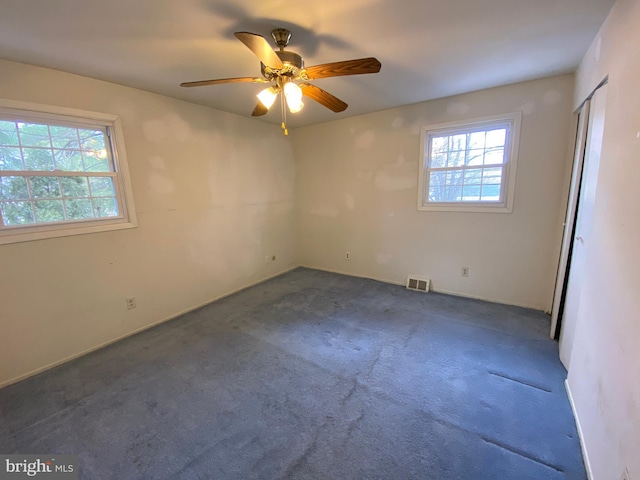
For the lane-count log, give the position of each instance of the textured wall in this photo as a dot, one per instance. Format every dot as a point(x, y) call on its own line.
point(357, 192)
point(214, 194)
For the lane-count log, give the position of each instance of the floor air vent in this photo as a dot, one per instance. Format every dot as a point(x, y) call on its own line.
point(418, 284)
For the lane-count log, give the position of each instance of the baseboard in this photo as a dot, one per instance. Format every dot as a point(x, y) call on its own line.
point(583, 447)
point(351, 274)
point(49, 366)
point(437, 290)
point(487, 299)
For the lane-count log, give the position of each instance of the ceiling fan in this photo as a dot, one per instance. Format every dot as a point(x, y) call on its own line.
point(286, 73)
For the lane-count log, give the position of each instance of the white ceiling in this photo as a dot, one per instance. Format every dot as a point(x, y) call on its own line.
point(428, 48)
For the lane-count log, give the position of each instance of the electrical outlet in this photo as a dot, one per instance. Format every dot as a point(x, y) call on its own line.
point(266, 259)
point(464, 271)
point(625, 475)
point(347, 256)
point(131, 303)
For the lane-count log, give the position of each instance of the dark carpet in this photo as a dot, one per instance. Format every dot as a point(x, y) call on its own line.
point(312, 375)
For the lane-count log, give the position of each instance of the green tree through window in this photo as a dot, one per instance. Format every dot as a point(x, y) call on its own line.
point(54, 173)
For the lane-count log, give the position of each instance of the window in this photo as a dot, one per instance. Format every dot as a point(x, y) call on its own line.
point(469, 166)
point(62, 172)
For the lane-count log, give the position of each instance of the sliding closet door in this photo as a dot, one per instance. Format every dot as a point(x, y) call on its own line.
point(570, 220)
point(582, 232)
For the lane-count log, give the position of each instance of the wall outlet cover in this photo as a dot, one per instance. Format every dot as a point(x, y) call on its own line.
point(131, 303)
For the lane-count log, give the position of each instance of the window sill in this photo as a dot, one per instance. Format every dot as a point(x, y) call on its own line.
point(29, 234)
point(467, 207)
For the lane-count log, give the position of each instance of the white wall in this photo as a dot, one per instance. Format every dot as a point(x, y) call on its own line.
point(357, 192)
point(214, 193)
point(604, 374)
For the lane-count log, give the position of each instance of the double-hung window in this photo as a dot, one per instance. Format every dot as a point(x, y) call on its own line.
point(62, 172)
point(469, 166)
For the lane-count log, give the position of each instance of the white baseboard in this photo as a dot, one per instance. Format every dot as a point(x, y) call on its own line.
point(350, 274)
point(487, 299)
point(583, 447)
point(134, 332)
point(437, 290)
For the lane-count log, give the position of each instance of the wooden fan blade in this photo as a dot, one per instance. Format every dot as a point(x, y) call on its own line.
point(348, 67)
point(224, 80)
point(260, 47)
point(259, 110)
point(323, 98)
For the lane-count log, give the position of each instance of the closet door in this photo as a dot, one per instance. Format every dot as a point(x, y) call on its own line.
point(570, 220)
point(583, 222)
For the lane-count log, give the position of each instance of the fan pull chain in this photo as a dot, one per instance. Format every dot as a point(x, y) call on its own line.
point(284, 114)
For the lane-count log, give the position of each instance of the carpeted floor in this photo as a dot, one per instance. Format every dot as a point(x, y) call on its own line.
point(312, 375)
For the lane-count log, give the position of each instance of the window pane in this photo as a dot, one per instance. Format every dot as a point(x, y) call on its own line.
point(44, 187)
point(101, 187)
point(453, 193)
point(34, 135)
point(492, 175)
point(69, 160)
point(10, 158)
point(456, 158)
point(473, 176)
point(471, 194)
point(436, 193)
point(476, 140)
point(64, 137)
point(49, 210)
point(13, 188)
point(105, 207)
point(8, 133)
point(92, 140)
point(96, 162)
point(438, 159)
point(496, 138)
point(440, 144)
point(474, 157)
point(454, 177)
point(494, 156)
point(78, 209)
point(74, 186)
point(38, 159)
point(439, 148)
point(436, 178)
point(491, 193)
point(17, 213)
point(458, 142)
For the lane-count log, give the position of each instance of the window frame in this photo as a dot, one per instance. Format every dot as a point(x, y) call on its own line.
point(112, 126)
point(505, 205)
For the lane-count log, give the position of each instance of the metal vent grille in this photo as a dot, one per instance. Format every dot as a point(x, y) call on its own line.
point(418, 284)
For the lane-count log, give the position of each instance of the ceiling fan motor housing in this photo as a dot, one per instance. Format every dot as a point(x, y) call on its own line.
point(291, 58)
point(293, 64)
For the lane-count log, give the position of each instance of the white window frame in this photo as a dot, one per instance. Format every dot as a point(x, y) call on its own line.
point(32, 112)
point(505, 204)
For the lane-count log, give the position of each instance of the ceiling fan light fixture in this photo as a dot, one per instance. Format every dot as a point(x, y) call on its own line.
point(268, 96)
point(293, 94)
point(282, 69)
